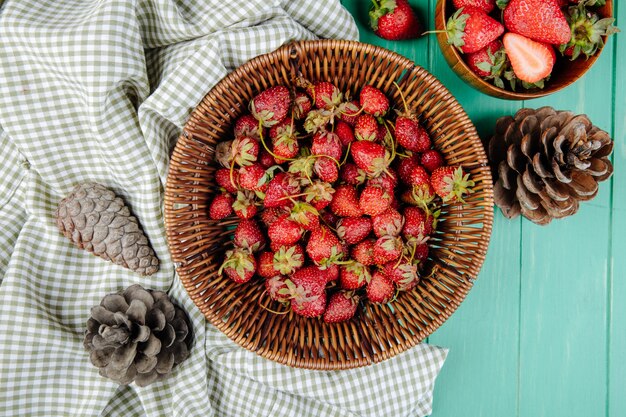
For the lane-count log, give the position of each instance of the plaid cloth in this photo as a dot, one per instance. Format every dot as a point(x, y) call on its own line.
point(99, 90)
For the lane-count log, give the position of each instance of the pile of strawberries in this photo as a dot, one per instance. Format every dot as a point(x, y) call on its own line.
point(336, 197)
point(522, 51)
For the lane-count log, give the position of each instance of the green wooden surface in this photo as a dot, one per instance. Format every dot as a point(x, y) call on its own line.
point(543, 331)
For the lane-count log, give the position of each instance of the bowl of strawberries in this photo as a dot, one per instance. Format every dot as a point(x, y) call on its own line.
point(522, 49)
point(328, 205)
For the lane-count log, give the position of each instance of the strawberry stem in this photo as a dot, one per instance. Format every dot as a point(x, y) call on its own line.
point(276, 157)
point(406, 108)
point(345, 158)
point(269, 309)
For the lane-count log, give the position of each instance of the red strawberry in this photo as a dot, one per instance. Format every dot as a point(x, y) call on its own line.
point(417, 223)
point(301, 105)
point(404, 275)
point(370, 157)
point(344, 132)
point(421, 252)
point(244, 151)
point(288, 259)
point(387, 181)
point(350, 112)
point(411, 135)
point(245, 204)
point(271, 106)
point(405, 168)
point(265, 264)
point(248, 235)
point(351, 174)
point(328, 217)
point(539, 20)
point(419, 176)
point(384, 135)
point(222, 177)
point(387, 248)
point(531, 61)
point(284, 139)
point(483, 61)
point(373, 101)
point(247, 125)
point(252, 177)
point(327, 143)
point(331, 272)
point(221, 206)
point(239, 265)
point(471, 29)
point(486, 5)
point(389, 222)
point(266, 159)
point(374, 200)
point(394, 20)
point(363, 252)
point(314, 307)
point(352, 230)
point(380, 288)
point(354, 276)
point(305, 215)
point(277, 289)
point(431, 160)
point(326, 169)
point(345, 202)
point(324, 247)
point(319, 194)
point(307, 294)
point(451, 183)
point(284, 231)
point(326, 95)
point(341, 307)
point(366, 128)
point(279, 189)
point(270, 215)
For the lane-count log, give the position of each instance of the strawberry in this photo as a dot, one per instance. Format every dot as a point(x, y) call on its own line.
point(248, 235)
point(246, 125)
point(277, 289)
point(223, 153)
point(387, 248)
point(486, 5)
point(405, 167)
point(221, 206)
point(324, 247)
point(245, 204)
point(389, 222)
point(341, 307)
point(244, 151)
point(318, 120)
point(222, 178)
point(284, 231)
point(344, 132)
point(302, 167)
point(305, 215)
point(345, 202)
point(411, 135)
point(319, 194)
point(239, 265)
point(288, 259)
point(421, 252)
point(313, 307)
point(587, 31)
point(366, 128)
point(265, 264)
point(301, 105)
point(417, 223)
point(326, 95)
point(482, 62)
point(419, 195)
point(373, 101)
point(270, 215)
point(470, 29)
point(404, 275)
point(371, 157)
point(351, 174)
point(326, 169)
point(363, 252)
point(279, 189)
point(352, 230)
point(266, 159)
point(374, 200)
point(331, 273)
point(431, 160)
point(284, 140)
point(350, 112)
point(540, 20)
point(384, 135)
point(353, 276)
point(327, 143)
point(394, 20)
point(307, 294)
point(271, 106)
point(328, 217)
point(252, 177)
point(531, 61)
point(419, 176)
point(380, 288)
point(387, 181)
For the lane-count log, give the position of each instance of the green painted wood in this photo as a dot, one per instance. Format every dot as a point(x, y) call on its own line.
point(543, 331)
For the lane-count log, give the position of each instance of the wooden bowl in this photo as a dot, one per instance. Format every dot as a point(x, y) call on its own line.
point(565, 72)
point(377, 332)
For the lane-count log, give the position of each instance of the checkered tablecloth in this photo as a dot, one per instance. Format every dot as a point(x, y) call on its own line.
point(99, 90)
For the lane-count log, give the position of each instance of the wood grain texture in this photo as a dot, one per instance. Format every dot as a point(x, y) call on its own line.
point(543, 331)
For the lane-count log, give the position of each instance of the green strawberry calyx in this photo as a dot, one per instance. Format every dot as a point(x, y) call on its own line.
point(455, 28)
point(379, 9)
point(587, 29)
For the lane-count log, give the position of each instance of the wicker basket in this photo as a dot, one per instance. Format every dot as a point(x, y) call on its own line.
point(378, 332)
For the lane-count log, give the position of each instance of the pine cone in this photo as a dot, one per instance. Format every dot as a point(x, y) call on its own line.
point(545, 161)
point(137, 335)
point(96, 220)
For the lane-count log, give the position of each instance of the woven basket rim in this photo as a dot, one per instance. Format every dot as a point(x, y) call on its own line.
point(285, 55)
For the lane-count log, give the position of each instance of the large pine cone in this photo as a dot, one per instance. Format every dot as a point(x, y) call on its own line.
point(545, 161)
point(96, 220)
point(137, 335)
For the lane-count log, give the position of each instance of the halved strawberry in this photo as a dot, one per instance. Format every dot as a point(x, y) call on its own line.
point(531, 61)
